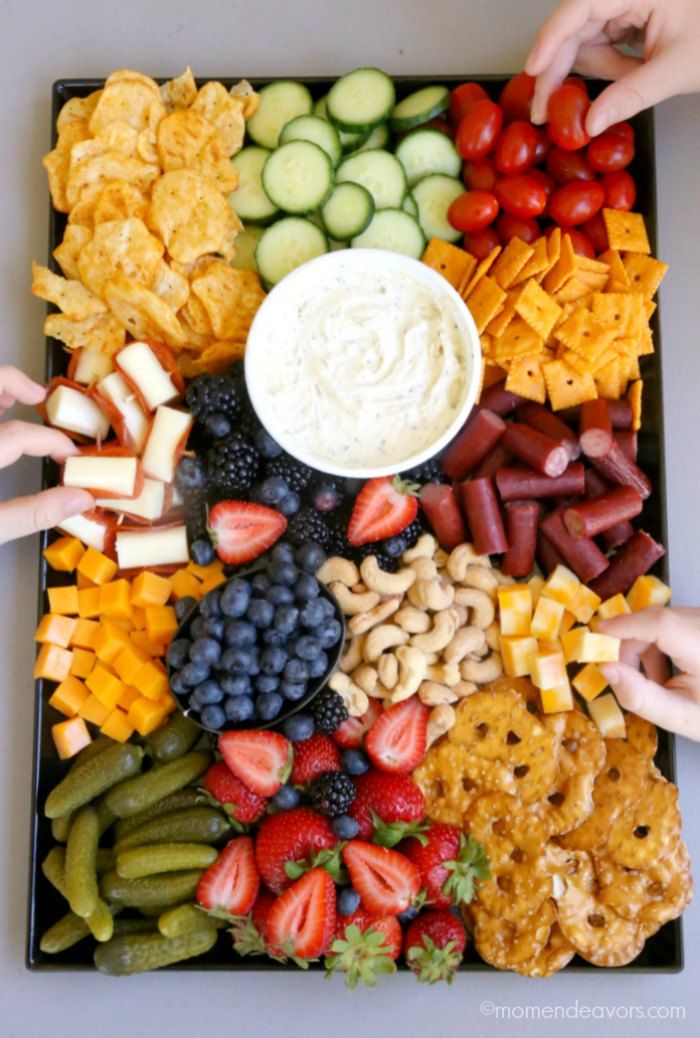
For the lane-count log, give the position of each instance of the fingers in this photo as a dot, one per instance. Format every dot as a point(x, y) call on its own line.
point(661, 706)
point(645, 85)
point(655, 665)
point(551, 78)
point(674, 634)
point(27, 515)
point(564, 22)
point(16, 387)
point(18, 438)
point(604, 61)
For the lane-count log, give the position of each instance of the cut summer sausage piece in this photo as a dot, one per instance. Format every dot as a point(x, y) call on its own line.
point(517, 482)
point(500, 400)
point(582, 555)
point(439, 502)
point(589, 518)
point(633, 560)
point(546, 422)
point(620, 414)
point(496, 459)
point(618, 535)
point(548, 556)
point(626, 439)
point(617, 468)
point(595, 484)
point(595, 428)
point(536, 449)
point(484, 516)
point(522, 518)
point(482, 431)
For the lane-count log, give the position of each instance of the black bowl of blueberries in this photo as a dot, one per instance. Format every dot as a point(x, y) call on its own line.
point(259, 647)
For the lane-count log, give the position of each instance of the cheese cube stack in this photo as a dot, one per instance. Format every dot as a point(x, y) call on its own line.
point(607, 715)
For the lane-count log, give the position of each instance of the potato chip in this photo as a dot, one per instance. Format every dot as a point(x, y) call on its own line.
point(454, 264)
point(120, 246)
point(75, 238)
point(180, 138)
point(110, 166)
point(71, 297)
point(179, 92)
point(118, 137)
point(192, 217)
point(218, 358)
point(645, 273)
point(231, 298)
point(57, 162)
point(196, 318)
point(77, 109)
point(146, 146)
point(118, 201)
point(484, 302)
point(97, 332)
point(511, 261)
point(172, 288)
point(225, 112)
point(121, 75)
point(130, 100)
point(626, 231)
point(566, 387)
point(213, 163)
point(537, 309)
point(526, 378)
point(245, 93)
point(634, 395)
point(481, 271)
point(518, 340)
point(144, 314)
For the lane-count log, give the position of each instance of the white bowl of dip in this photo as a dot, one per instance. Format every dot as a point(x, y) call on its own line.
point(363, 362)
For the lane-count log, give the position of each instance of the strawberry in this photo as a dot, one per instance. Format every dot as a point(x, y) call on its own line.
point(313, 757)
point(291, 842)
point(261, 910)
point(398, 739)
point(225, 790)
point(386, 881)
point(448, 863)
point(391, 805)
point(434, 945)
point(352, 732)
point(249, 933)
point(261, 760)
point(364, 947)
point(241, 531)
point(384, 507)
point(301, 922)
point(229, 886)
point(387, 925)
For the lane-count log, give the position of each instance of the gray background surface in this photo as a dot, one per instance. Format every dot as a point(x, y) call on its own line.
point(45, 39)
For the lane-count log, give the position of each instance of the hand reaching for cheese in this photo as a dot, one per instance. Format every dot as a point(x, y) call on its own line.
point(586, 35)
point(25, 515)
point(648, 637)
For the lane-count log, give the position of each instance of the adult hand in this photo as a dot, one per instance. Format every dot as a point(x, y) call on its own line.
point(25, 515)
point(585, 35)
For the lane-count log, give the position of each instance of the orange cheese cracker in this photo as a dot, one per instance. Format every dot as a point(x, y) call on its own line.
point(626, 231)
point(453, 263)
point(566, 387)
point(539, 311)
point(485, 301)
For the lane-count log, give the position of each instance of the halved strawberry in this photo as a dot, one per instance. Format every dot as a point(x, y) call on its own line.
point(386, 881)
point(241, 531)
point(301, 922)
point(384, 507)
point(352, 732)
point(230, 886)
point(261, 760)
point(397, 740)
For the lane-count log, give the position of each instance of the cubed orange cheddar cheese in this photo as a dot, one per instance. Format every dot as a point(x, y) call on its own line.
point(138, 618)
point(128, 696)
point(53, 662)
point(615, 606)
point(555, 700)
point(97, 567)
point(150, 589)
point(117, 726)
point(143, 642)
point(546, 619)
point(515, 610)
point(583, 646)
point(84, 634)
point(115, 599)
point(204, 572)
point(123, 623)
point(213, 581)
point(567, 622)
point(516, 653)
point(551, 645)
point(109, 641)
point(94, 711)
point(64, 554)
point(56, 629)
point(589, 682)
point(69, 696)
point(70, 737)
point(548, 670)
point(608, 716)
point(64, 599)
point(150, 681)
point(584, 604)
point(561, 584)
point(82, 663)
point(89, 602)
point(185, 585)
point(161, 623)
point(128, 662)
point(146, 715)
point(82, 581)
point(648, 591)
point(169, 703)
point(105, 685)
point(535, 584)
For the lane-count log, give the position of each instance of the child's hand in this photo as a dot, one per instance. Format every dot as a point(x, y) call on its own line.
point(672, 703)
point(586, 34)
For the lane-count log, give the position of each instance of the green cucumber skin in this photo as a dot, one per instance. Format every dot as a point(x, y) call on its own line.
point(343, 123)
point(137, 794)
point(89, 780)
point(399, 122)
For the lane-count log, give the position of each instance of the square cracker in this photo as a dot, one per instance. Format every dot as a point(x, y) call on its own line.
point(626, 231)
point(511, 261)
point(645, 273)
point(469, 282)
point(537, 309)
point(566, 387)
point(454, 264)
point(485, 301)
point(526, 378)
point(518, 340)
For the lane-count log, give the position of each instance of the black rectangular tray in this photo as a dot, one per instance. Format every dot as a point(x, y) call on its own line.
point(663, 953)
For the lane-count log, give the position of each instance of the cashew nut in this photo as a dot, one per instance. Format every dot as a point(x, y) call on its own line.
point(412, 667)
point(433, 694)
point(353, 602)
point(352, 657)
point(384, 583)
point(440, 720)
point(465, 688)
point(503, 580)
point(366, 677)
point(381, 638)
point(459, 560)
point(441, 558)
point(413, 620)
point(493, 636)
point(339, 682)
point(431, 594)
point(366, 621)
point(388, 670)
point(481, 578)
point(425, 569)
point(424, 548)
point(443, 673)
point(441, 634)
point(355, 700)
point(482, 607)
point(482, 671)
point(382, 692)
point(466, 641)
point(460, 613)
point(338, 569)
point(432, 658)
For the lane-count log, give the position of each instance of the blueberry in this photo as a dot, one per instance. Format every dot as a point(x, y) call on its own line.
point(286, 798)
point(260, 583)
point(266, 683)
point(273, 660)
point(283, 573)
point(214, 627)
point(408, 916)
point(197, 627)
point(329, 634)
point(194, 674)
point(205, 650)
point(194, 702)
point(239, 708)
point(310, 557)
point(179, 653)
point(213, 716)
point(265, 444)
point(290, 503)
point(217, 425)
point(306, 588)
point(293, 690)
point(267, 707)
point(211, 604)
point(236, 684)
point(202, 551)
point(279, 595)
point(235, 598)
point(183, 606)
point(348, 898)
point(209, 692)
point(355, 762)
point(324, 497)
point(191, 474)
point(314, 613)
point(394, 547)
point(240, 634)
point(273, 490)
point(318, 666)
point(177, 685)
point(307, 647)
point(260, 612)
point(282, 552)
point(237, 661)
point(298, 726)
point(296, 671)
point(286, 619)
point(271, 636)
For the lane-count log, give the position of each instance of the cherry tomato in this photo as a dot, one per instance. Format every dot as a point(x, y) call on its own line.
point(565, 166)
point(481, 243)
point(547, 183)
point(541, 148)
point(620, 190)
point(478, 130)
point(566, 117)
point(480, 175)
point(516, 97)
point(609, 153)
point(596, 233)
point(576, 202)
point(509, 226)
point(461, 100)
point(624, 129)
point(521, 195)
point(577, 82)
point(582, 245)
point(515, 150)
point(438, 124)
point(473, 211)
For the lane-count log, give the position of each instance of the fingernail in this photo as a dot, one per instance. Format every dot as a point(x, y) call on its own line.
point(611, 673)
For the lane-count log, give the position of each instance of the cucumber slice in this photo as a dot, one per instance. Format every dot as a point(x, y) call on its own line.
point(279, 103)
point(378, 171)
point(378, 138)
point(298, 177)
point(408, 205)
point(321, 108)
point(349, 142)
point(394, 230)
point(286, 245)
point(428, 151)
point(316, 130)
point(348, 211)
point(249, 200)
point(246, 243)
point(420, 107)
point(434, 195)
point(361, 99)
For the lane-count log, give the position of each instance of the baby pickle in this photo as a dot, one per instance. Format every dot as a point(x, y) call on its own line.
point(93, 749)
point(105, 859)
point(135, 953)
point(69, 929)
point(124, 926)
point(173, 739)
point(60, 827)
point(81, 863)
point(137, 794)
point(101, 921)
point(193, 825)
point(183, 919)
point(171, 888)
point(177, 801)
point(53, 866)
point(164, 857)
point(89, 780)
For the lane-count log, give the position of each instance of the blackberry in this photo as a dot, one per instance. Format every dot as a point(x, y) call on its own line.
point(413, 531)
point(213, 394)
point(195, 507)
point(295, 473)
point(248, 423)
point(332, 793)
point(233, 464)
point(328, 711)
point(384, 561)
point(429, 472)
point(308, 525)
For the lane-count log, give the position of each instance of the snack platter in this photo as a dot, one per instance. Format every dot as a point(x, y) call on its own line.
point(663, 951)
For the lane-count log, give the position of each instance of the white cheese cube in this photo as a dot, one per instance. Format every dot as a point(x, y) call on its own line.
point(68, 409)
point(169, 429)
point(117, 390)
point(608, 716)
point(158, 547)
point(91, 366)
point(141, 366)
point(110, 475)
point(147, 505)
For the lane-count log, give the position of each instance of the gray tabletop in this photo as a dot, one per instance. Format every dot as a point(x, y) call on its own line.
point(46, 39)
